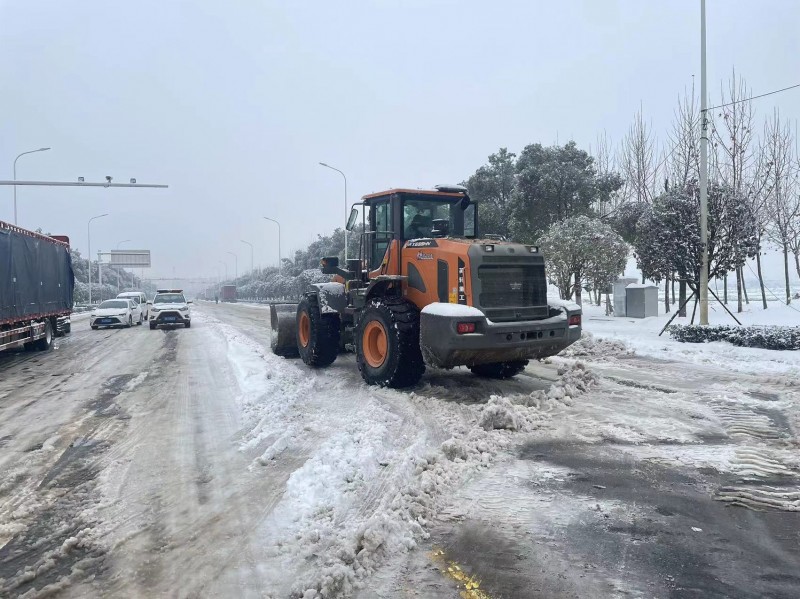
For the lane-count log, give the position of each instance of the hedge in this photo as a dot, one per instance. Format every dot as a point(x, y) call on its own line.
point(765, 337)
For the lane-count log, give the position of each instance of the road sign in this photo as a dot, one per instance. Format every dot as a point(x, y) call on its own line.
point(130, 258)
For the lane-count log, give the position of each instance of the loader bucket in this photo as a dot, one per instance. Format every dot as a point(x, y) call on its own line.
point(283, 319)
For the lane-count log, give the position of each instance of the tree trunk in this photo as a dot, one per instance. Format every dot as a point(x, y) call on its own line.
point(761, 279)
point(725, 288)
point(672, 278)
point(682, 297)
point(578, 299)
point(744, 285)
point(797, 262)
point(786, 273)
point(738, 291)
point(609, 309)
point(666, 295)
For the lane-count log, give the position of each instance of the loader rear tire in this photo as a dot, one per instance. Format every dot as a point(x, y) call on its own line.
point(387, 343)
point(500, 370)
point(317, 334)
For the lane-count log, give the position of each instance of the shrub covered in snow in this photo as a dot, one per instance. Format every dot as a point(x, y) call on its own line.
point(765, 337)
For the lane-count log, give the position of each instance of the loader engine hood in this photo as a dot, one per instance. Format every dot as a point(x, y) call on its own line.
point(505, 280)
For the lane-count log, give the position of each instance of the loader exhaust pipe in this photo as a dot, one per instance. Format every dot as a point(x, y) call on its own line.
point(283, 320)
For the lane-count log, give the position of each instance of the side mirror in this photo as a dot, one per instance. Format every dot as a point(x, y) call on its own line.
point(351, 221)
point(329, 265)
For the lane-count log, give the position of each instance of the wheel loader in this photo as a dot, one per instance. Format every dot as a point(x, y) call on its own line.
point(427, 289)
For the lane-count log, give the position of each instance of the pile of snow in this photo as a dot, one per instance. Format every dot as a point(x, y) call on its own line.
point(596, 349)
point(527, 412)
point(454, 310)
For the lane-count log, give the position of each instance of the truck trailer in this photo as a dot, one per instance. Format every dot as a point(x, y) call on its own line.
point(36, 288)
point(228, 293)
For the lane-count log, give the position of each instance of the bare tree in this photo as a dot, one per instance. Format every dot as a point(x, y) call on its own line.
point(604, 165)
point(637, 161)
point(782, 198)
point(684, 159)
point(684, 165)
point(734, 136)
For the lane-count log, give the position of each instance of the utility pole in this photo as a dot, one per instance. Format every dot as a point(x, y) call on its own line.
point(703, 170)
point(100, 275)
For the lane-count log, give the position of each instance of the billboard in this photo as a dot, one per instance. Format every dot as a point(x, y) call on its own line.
point(130, 258)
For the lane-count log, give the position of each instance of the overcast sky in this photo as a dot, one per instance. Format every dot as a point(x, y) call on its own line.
point(233, 104)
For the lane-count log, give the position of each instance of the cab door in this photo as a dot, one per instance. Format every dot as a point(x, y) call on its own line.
point(382, 245)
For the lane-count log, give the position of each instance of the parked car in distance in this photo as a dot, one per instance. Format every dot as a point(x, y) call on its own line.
point(114, 313)
point(170, 308)
point(141, 300)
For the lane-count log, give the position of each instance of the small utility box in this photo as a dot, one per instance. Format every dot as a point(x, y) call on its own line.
point(641, 300)
point(619, 295)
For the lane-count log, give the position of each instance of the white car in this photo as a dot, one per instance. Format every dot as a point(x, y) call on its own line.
point(141, 299)
point(114, 313)
point(170, 308)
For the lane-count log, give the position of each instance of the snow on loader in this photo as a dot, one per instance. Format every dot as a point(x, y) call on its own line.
point(427, 289)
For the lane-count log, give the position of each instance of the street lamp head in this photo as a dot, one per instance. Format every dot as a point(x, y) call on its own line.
point(323, 164)
point(42, 149)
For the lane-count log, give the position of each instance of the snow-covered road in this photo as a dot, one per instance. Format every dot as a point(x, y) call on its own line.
point(195, 463)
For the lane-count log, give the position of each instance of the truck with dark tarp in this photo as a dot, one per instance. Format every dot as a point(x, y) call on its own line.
point(228, 293)
point(36, 288)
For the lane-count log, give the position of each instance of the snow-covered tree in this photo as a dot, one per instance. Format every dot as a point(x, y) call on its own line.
point(582, 250)
point(492, 187)
point(555, 183)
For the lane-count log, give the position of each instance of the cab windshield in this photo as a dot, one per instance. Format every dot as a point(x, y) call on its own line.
point(169, 298)
point(419, 216)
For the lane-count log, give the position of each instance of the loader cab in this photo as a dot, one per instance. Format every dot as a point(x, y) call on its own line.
point(393, 218)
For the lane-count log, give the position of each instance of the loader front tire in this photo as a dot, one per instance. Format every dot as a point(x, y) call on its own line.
point(317, 334)
point(500, 370)
point(387, 343)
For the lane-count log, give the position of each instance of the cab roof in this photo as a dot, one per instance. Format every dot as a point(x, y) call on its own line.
point(425, 192)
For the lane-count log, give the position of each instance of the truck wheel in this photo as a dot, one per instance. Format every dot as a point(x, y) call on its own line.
point(140, 320)
point(187, 324)
point(45, 342)
point(130, 322)
point(317, 334)
point(387, 343)
point(500, 370)
point(153, 326)
point(94, 328)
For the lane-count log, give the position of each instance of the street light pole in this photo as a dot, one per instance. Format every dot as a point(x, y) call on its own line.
point(280, 260)
point(89, 253)
point(235, 267)
point(703, 170)
point(119, 244)
point(252, 268)
point(225, 265)
point(345, 203)
point(15, 177)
